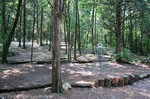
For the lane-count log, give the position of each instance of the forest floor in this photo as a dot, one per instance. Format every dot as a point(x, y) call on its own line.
point(30, 74)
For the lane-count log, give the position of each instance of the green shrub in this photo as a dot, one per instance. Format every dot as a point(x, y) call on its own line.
point(125, 56)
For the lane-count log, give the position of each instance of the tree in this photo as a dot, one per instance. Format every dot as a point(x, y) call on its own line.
point(11, 34)
point(56, 69)
point(24, 24)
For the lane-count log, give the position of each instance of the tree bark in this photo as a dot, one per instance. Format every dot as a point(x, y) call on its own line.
point(41, 33)
point(24, 24)
point(11, 34)
point(56, 69)
point(33, 32)
point(118, 28)
point(4, 32)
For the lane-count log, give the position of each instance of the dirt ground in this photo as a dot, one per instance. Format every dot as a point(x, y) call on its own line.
point(30, 74)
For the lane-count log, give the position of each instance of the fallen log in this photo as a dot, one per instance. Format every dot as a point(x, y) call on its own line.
point(25, 88)
point(80, 84)
point(37, 62)
point(83, 84)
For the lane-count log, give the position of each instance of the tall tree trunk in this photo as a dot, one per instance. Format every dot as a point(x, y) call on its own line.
point(123, 24)
point(4, 31)
point(131, 35)
point(33, 31)
point(56, 69)
point(20, 28)
point(24, 24)
point(41, 33)
point(118, 28)
point(76, 29)
point(11, 34)
point(79, 40)
point(68, 31)
point(37, 21)
point(92, 29)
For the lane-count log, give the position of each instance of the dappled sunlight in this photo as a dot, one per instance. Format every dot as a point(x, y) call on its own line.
point(13, 72)
point(115, 65)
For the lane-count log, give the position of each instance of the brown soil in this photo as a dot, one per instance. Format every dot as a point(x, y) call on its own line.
point(29, 74)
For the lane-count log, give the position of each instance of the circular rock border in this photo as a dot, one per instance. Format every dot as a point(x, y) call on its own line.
point(120, 80)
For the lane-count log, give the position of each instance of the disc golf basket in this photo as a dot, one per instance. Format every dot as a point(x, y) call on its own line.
point(100, 51)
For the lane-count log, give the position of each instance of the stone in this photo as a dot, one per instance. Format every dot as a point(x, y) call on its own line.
point(131, 79)
point(107, 82)
point(142, 76)
point(114, 82)
point(136, 77)
point(101, 82)
point(126, 79)
point(121, 82)
point(66, 86)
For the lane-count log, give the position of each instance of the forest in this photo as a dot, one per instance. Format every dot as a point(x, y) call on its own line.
point(55, 31)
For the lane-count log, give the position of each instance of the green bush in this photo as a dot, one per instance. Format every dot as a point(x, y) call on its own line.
point(125, 55)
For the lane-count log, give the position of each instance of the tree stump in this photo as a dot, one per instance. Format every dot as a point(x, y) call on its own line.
point(107, 82)
point(121, 82)
point(101, 82)
point(136, 77)
point(131, 79)
point(115, 82)
point(126, 79)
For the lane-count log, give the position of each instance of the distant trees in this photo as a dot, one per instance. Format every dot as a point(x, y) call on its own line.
point(120, 24)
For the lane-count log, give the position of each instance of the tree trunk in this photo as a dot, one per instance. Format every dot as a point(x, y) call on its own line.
point(41, 33)
point(11, 34)
point(56, 69)
point(20, 28)
point(92, 28)
point(76, 29)
point(24, 24)
point(37, 21)
point(4, 32)
point(68, 31)
point(79, 34)
point(33, 32)
point(131, 35)
point(118, 28)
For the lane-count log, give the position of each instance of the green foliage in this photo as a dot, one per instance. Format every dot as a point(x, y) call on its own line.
point(125, 56)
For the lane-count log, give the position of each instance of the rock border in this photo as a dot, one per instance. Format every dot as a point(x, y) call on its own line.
point(120, 81)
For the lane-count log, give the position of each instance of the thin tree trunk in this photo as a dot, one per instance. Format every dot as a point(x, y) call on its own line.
point(20, 28)
point(33, 32)
point(41, 33)
point(76, 29)
point(92, 28)
point(11, 34)
point(37, 21)
point(24, 25)
point(68, 31)
point(79, 40)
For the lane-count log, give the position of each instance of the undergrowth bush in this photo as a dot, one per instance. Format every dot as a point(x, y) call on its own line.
point(125, 56)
